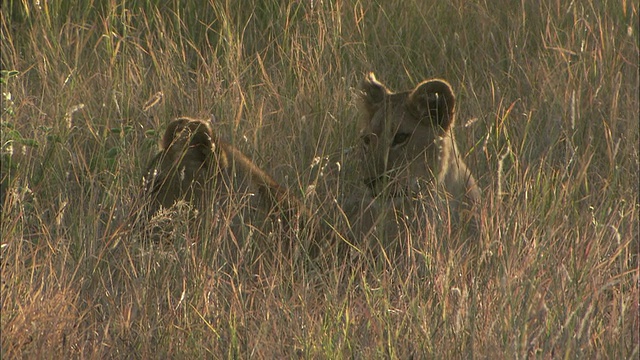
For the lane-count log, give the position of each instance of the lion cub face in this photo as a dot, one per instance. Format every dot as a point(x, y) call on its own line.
point(407, 141)
point(187, 166)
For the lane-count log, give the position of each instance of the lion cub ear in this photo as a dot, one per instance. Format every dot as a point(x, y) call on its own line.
point(372, 94)
point(433, 101)
point(170, 133)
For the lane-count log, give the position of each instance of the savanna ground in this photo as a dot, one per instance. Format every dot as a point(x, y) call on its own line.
point(547, 119)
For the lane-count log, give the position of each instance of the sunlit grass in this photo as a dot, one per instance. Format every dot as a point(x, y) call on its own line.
point(550, 92)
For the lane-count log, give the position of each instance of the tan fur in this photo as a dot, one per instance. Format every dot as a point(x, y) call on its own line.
point(195, 166)
point(409, 152)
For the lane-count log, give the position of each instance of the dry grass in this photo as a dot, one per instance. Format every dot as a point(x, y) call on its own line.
point(551, 90)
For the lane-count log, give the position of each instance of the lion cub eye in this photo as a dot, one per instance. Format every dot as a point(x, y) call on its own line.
point(400, 139)
point(368, 139)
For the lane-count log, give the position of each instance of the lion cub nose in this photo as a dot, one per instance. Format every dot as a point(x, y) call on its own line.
point(370, 140)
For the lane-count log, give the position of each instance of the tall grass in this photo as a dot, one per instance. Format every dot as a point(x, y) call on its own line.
point(547, 117)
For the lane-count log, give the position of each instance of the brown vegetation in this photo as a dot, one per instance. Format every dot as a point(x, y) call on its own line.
point(548, 123)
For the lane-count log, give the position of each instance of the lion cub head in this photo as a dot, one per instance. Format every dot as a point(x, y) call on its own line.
point(189, 163)
point(407, 141)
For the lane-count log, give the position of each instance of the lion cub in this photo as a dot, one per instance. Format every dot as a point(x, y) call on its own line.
point(194, 166)
point(409, 157)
